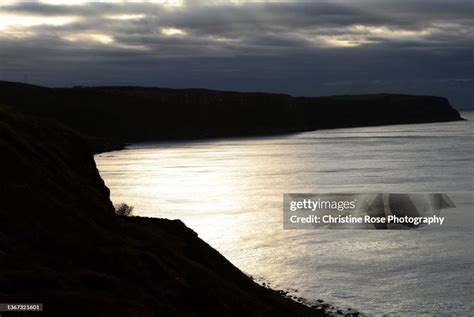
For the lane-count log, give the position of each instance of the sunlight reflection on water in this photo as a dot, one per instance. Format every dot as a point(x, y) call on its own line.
point(230, 192)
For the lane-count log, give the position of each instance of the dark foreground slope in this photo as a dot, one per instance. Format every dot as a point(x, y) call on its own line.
point(133, 114)
point(62, 244)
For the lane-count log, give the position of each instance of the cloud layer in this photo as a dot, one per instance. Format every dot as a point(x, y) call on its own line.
point(318, 47)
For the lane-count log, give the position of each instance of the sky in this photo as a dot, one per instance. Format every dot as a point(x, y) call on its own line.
point(296, 47)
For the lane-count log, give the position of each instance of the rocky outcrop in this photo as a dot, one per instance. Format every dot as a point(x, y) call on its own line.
point(61, 243)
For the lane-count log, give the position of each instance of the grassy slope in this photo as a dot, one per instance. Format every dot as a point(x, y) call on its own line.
point(62, 244)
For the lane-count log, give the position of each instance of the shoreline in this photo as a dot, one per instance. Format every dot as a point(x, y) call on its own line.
point(105, 146)
point(162, 265)
point(318, 305)
point(64, 246)
point(113, 116)
point(209, 147)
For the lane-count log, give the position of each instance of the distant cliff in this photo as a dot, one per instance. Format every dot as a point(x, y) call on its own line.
point(61, 243)
point(133, 114)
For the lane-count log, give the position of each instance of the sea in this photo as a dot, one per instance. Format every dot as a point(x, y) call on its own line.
point(230, 191)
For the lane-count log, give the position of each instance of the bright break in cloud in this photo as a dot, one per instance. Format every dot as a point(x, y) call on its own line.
point(308, 48)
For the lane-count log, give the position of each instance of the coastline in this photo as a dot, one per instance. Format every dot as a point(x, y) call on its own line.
point(104, 146)
point(157, 160)
point(112, 117)
point(56, 166)
point(64, 246)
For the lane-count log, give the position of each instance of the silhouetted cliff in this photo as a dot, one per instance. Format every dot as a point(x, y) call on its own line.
point(133, 114)
point(62, 244)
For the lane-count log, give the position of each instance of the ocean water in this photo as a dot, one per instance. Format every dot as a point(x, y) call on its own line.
point(230, 192)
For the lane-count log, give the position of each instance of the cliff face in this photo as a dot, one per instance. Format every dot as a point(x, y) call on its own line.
point(132, 114)
point(62, 244)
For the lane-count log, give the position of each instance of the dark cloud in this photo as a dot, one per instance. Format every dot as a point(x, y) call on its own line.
point(306, 48)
